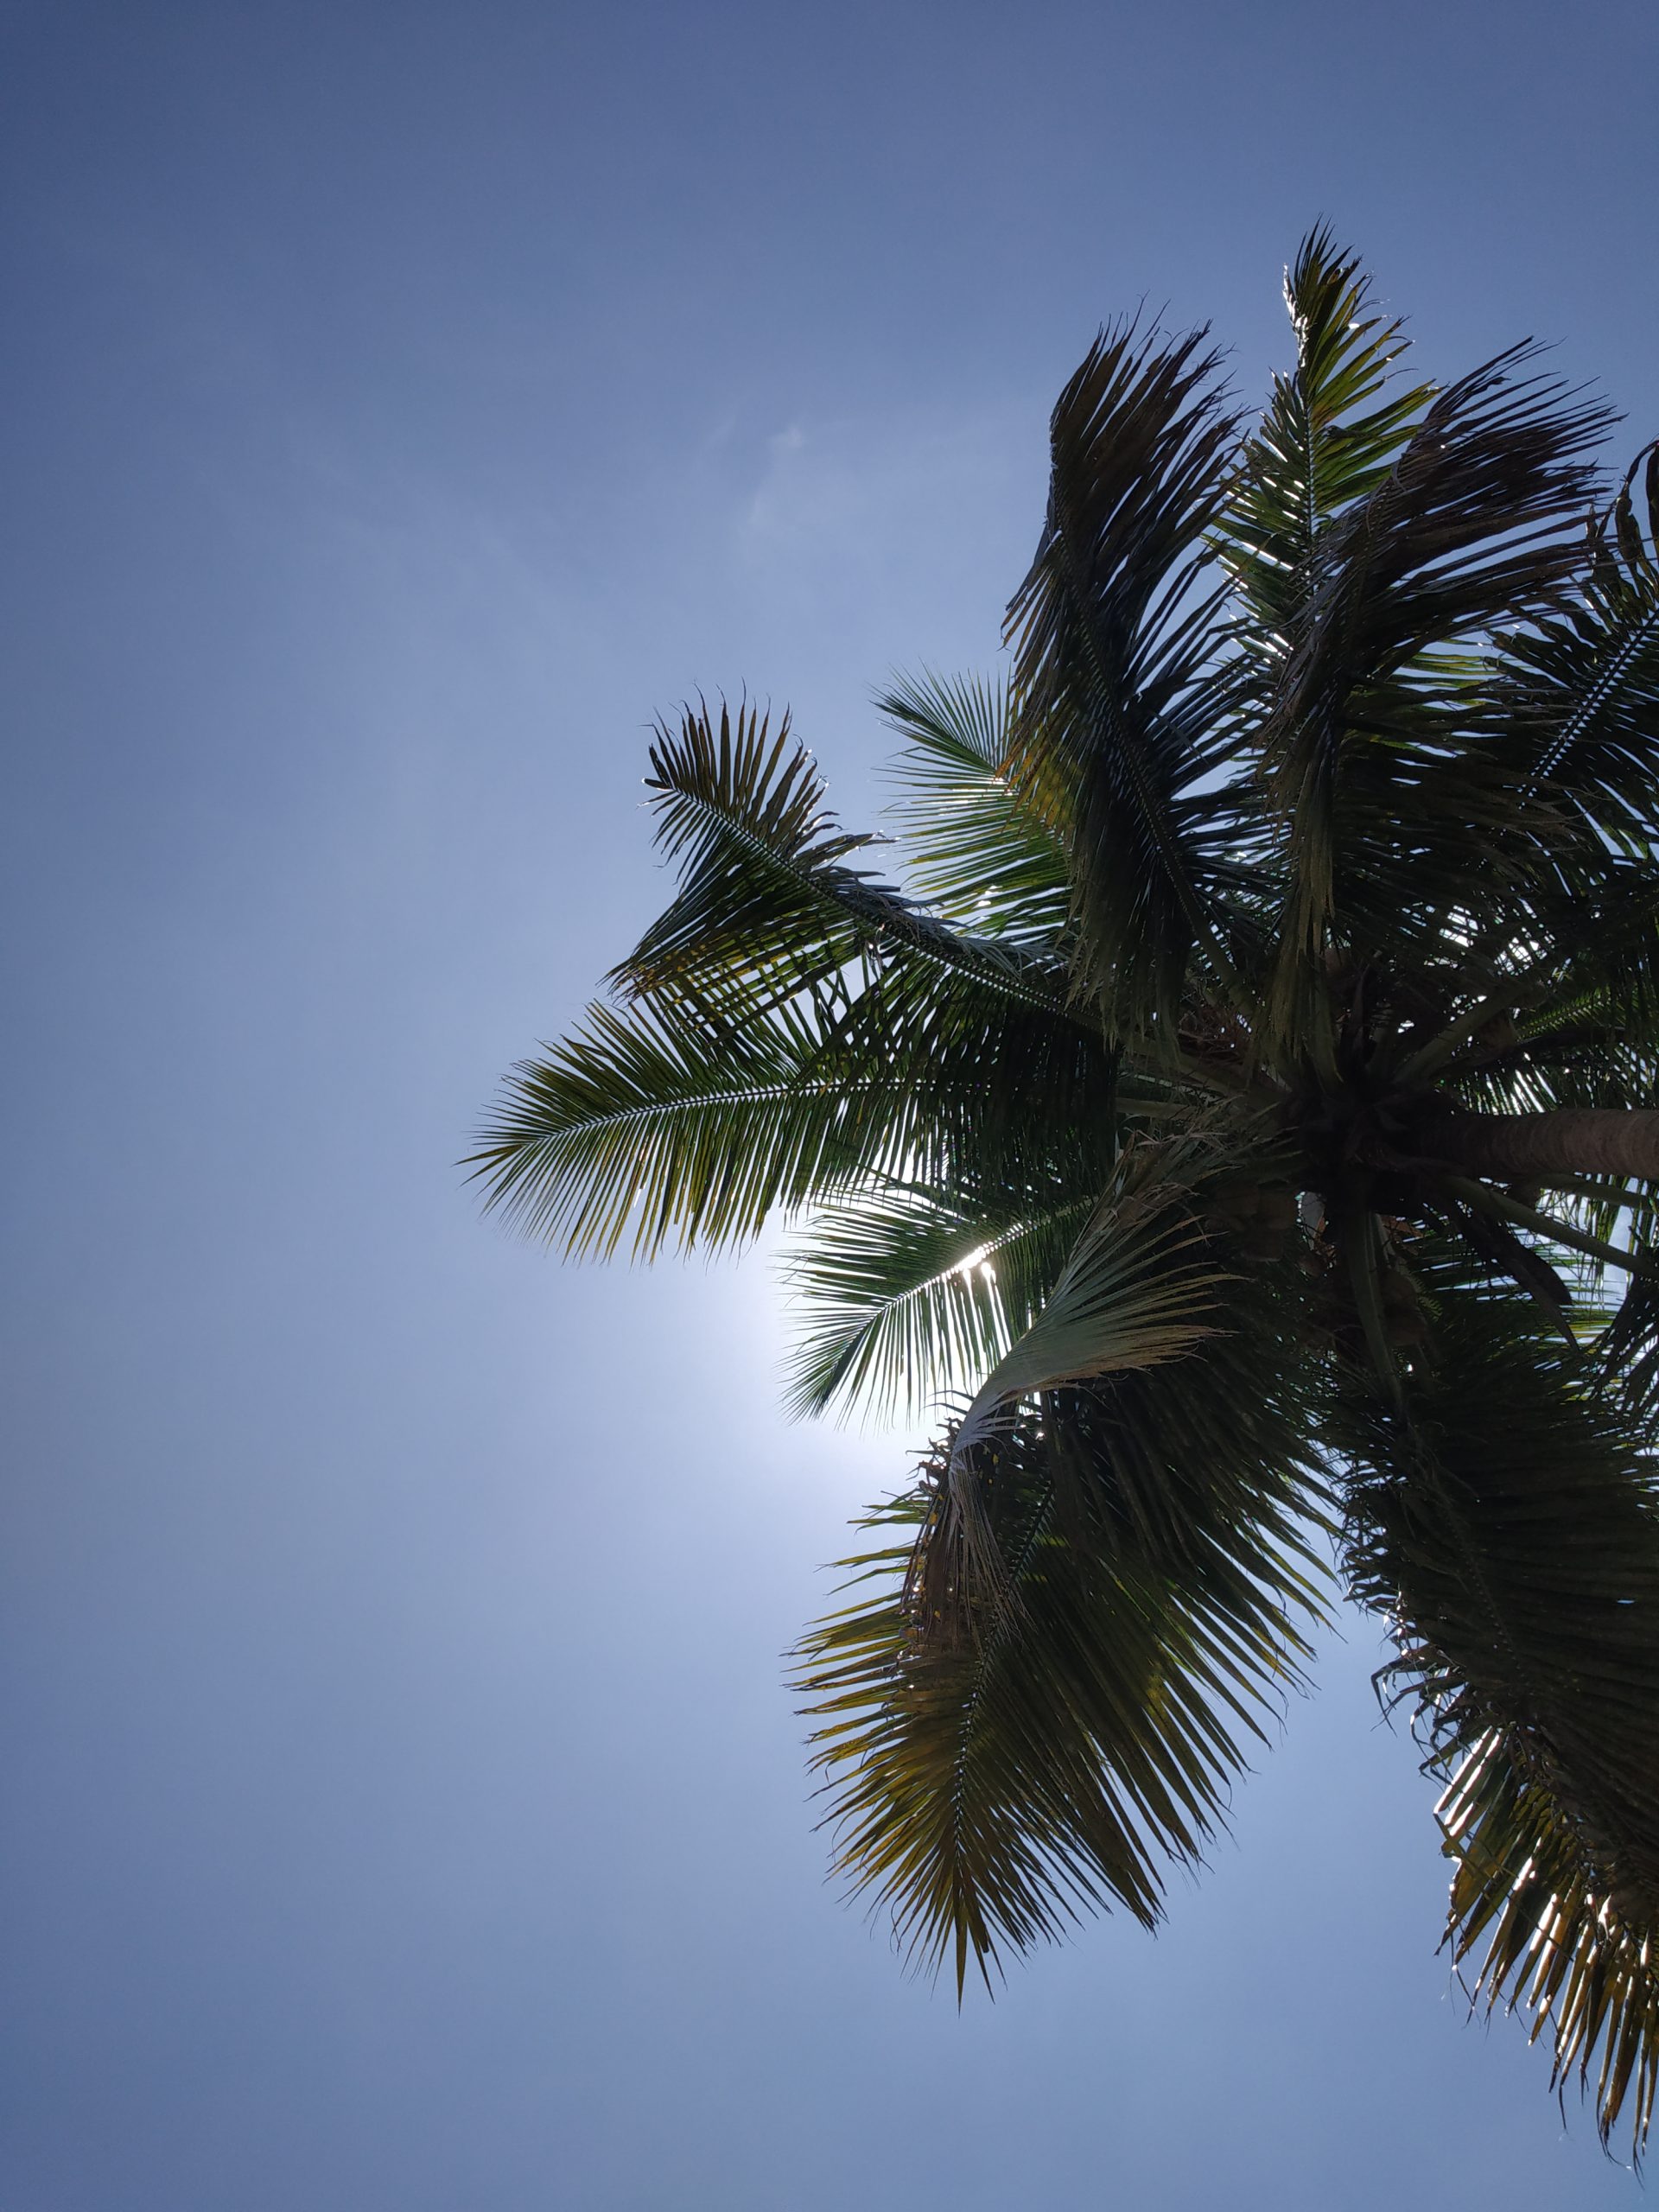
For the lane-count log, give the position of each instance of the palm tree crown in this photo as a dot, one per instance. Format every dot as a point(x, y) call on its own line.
point(1238, 1135)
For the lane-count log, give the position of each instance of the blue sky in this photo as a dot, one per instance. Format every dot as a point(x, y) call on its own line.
point(404, 1811)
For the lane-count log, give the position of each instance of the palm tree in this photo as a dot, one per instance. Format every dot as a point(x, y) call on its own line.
point(1240, 1133)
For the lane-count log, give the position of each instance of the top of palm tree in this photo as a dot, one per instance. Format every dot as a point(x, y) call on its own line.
point(1236, 1131)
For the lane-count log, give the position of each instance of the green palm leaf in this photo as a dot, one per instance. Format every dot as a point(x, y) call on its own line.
point(667, 1121)
point(1583, 685)
point(1509, 1522)
point(977, 850)
point(1118, 698)
point(1331, 433)
point(648, 1122)
point(908, 1295)
point(1041, 1701)
point(767, 898)
point(1369, 726)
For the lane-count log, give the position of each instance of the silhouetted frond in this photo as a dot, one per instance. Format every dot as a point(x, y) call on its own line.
point(979, 853)
point(1508, 1524)
point(1046, 1694)
point(1119, 701)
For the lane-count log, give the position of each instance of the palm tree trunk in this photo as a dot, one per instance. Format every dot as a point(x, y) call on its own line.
point(1546, 1148)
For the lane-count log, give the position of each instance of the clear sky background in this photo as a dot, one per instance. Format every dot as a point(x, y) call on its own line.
point(402, 1809)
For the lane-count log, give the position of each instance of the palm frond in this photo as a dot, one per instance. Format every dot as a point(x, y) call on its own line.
point(1563, 1012)
point(1374, 719)
point(1010, 1090)
point(1331, 431)
point(976, 850)
point(667, 1121)
point(1507, 1522)
point(1628, 1351)
point(650, 1122)
point(1131, 1292)
point(1118, 695)
point(909, 1294)
point(1046, 1694)
point(767, 899)
point(1582, 685)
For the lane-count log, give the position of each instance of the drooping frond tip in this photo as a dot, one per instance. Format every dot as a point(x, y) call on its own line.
point(1047, 1690)
point(1508, 1519)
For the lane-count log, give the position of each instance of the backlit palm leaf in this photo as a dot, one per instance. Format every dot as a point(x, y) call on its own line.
point(1331, 433)
point(1510, 1523)
point(1253, 1092)
point(643, 1126)
point(1378, 717)
point(975, 848)
point(1583, 686)
point(1119, 705)
point(766, 894)
point(912, 1294)
point(1048, 1693)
